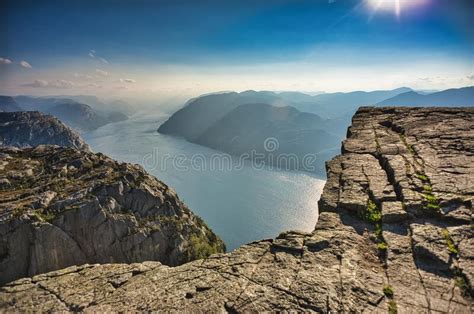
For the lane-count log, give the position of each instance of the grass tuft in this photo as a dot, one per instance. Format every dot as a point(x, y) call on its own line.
point(451, 247)
point(392, 307)
point(388, 291)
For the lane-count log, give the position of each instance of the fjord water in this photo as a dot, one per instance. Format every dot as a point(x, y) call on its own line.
point(240, 205)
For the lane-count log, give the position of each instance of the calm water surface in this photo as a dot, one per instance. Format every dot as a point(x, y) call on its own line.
point(240, 205)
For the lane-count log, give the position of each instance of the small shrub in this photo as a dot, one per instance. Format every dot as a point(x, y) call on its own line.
point(451, 247)
point(422, 177)
point(374, 215)
point(388, 291)
point(392, 307)
point(433, 206)
point(199, 248)
point(431, 199)
point(382, 246)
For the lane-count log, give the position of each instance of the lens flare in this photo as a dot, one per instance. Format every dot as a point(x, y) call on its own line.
point(396, 6)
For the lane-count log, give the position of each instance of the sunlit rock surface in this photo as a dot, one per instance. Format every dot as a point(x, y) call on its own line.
point(395, 234)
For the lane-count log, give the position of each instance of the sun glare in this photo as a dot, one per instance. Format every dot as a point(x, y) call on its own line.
point(396, 6)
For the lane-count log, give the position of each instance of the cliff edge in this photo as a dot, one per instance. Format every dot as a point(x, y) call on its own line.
point(394, 234)
point(61, 207)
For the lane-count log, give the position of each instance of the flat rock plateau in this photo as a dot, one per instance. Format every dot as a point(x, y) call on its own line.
point(394, 234)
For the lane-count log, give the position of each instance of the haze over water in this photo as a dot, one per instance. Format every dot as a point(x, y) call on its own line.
point(241, 206)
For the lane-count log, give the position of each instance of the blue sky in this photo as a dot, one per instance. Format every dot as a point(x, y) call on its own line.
point(202, 46)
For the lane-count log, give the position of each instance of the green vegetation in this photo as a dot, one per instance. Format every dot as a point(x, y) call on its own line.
point(200, 247)
point(430, 198)
point(427, 189)
point(388, 291)
point(392, 307)
point(431, 202)
point(382, 246)
point(44, 216)
point(451, 247)
point(422, 177)
point(460, 282)
point(374, 215)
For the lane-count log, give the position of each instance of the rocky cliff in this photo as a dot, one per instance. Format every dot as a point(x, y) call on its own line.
point(32, 128)
point(394, 234)
point(61, 207)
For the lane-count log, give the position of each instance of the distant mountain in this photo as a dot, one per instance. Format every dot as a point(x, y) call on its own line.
point(200, 113)
point(280, 136)
point(332, 105)
point(8, 104)
point(29, 103)
point(115, 116)
point(32, 128)
point(236, 124)
point(447, 98)
point(79, 116)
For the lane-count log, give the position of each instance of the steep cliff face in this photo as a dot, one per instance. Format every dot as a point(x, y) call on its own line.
point(394, 233)
point(61, 207)
point(31, 128)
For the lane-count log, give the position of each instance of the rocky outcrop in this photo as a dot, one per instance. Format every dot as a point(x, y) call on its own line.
point(32, 128)
point(61, 207)
point(394, 234)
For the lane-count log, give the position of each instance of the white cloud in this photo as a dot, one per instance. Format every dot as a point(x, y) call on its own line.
point(127, 81)
point(471, 77)
point(38, 83)
point(93, 55)
point(101, 72)
point(103, 60)
point(5, 61)
point(51, 84)
point(25, 64)
point(83, 76)
point(94, 85)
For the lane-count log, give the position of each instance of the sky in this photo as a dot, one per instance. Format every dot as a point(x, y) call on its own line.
point(115, 48)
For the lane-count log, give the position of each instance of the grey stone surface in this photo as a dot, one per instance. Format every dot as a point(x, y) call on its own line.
point(395, 232)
